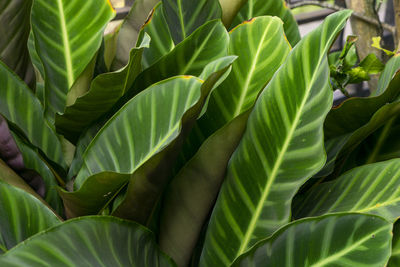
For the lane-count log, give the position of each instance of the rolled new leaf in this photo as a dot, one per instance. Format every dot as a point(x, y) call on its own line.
point(89, 241)
point(281, 148)
point(67, 34)
point(22, 216)
point(372, 188)
point(256, 8)
point(335, 240)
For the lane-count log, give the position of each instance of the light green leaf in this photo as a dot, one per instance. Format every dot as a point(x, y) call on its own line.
point(335, 240)
point(104, 92)
point(14, 32)
point(89, 241)
point(129, 31)
point(118, 150)
point(281, 148)
point(20, 106)
point(371, 188)
point(185, 16)
point(64, 46)
point(22, 215)
point(255, 8)
point(161, 40)
point(391, 68)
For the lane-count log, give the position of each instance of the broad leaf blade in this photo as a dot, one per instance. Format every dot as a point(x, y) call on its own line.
point(89, 241)
point(334, 240)
point(22, 215)
point(255, 8)
point(391, 68)
point(371, 188)
point(185, 16)
point(20, 106)
point(14, 32)
point(104, 92)
point(64, 46)
point(281, 148)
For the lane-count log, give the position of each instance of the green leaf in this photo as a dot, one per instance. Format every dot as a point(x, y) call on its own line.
point(281, 148)
point(255, 8)
point(20, 106)
point(14, 32)
point(129, 31)
point(395, 257)
point(89, 241)
point(22, 215)
point(161, 40)
point(104, 92)
point(118, 150)
point(391, 68)
point(369, 189)
point(334, 240)
point(261, 49)
point(184, 16)
point(190, 57)
point(33, 161)
point(37, 63)
point(64, 46)
point(191, 194)
point(230, 8)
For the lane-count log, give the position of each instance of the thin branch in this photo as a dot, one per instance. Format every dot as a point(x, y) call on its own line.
point(367, 19)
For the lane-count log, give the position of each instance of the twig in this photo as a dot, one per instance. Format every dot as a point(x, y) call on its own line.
point(385, 26)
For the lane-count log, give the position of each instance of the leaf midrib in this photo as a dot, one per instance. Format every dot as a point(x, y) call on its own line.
point(278, 163)
point(65, 38)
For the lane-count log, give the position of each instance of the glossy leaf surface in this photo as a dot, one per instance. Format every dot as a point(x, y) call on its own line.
point(370, 189)
point(281, 148)
point(20, 106)
point(255, 8)
point(22, 215)
point(89, 241)
point(335, 240)
point(63, 45)
point(185, 16)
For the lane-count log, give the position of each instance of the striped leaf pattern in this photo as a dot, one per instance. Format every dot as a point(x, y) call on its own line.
point(20, 106)
point(334, 240)
point(14, 18)
point(255, 8)
point(104, 92)
point(281, 148)
point(35, 58)
point(119, 140)
point(372, 188)
point(185, 16)
point(190, 57)
point(67, 35)
point(89, 241)
point(129, 31)
point(161, 40)
point(22, 215)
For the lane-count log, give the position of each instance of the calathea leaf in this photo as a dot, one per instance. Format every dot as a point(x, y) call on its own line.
point(255, 8)
point(335, 240)
point(104, 92)
point(158, 131)
point(129, 31)
point(89, 241)
point(230, 8)
point(192, 193)
point(371, 188)
point(281, 148)
point(391, 68)
point(157, 28)
point(64, 47)
point(22, 215)
point(20, 107)
point(184, 17)
point(395, 257)
point(14, 18)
